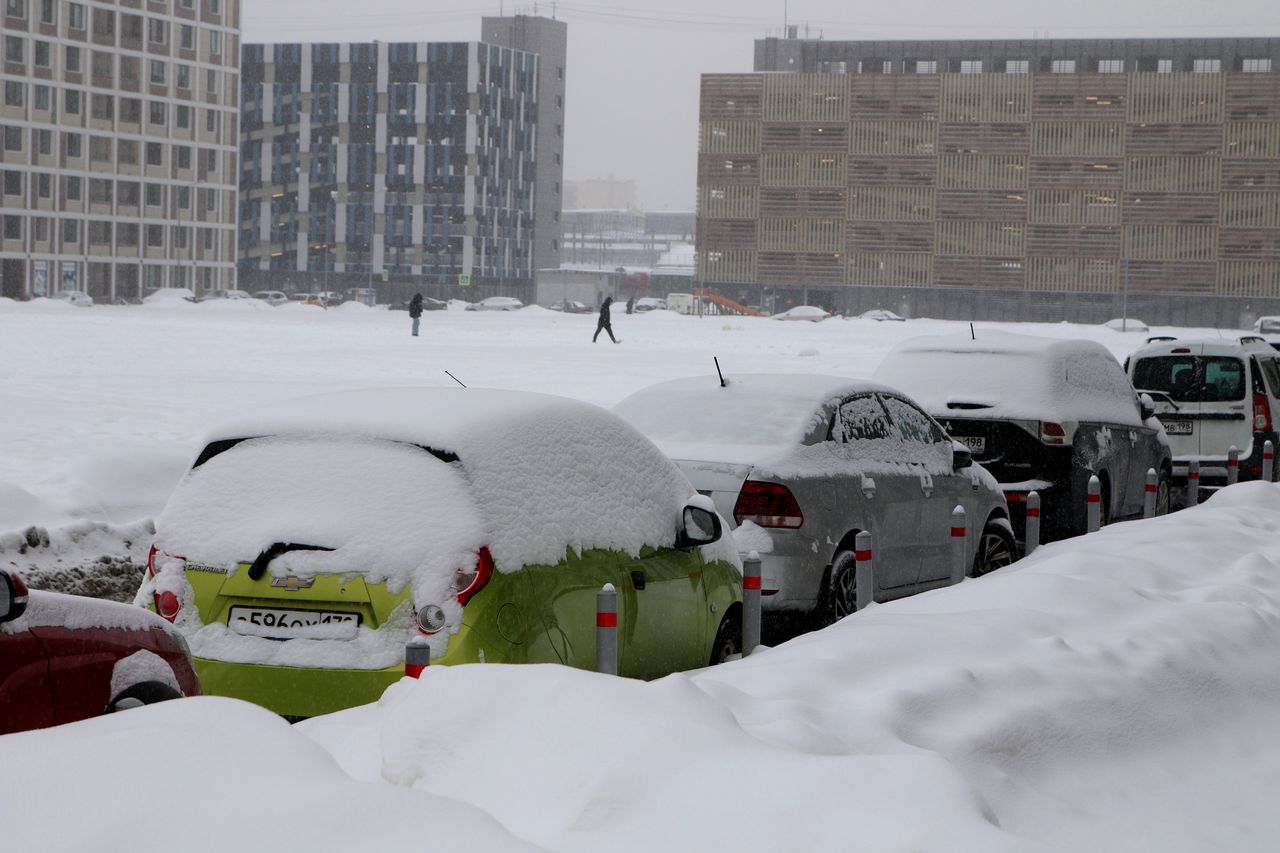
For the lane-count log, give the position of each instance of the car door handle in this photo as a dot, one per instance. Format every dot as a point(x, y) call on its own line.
point(637, 579)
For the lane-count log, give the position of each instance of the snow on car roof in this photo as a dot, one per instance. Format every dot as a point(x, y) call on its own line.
point(756, 416)
point(1010, 376)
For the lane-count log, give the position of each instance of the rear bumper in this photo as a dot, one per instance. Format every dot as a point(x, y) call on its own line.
point(791, 574)
point(295, 691)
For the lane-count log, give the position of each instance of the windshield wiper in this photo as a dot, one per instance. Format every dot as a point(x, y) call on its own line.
point(1165, 396)
point(259, 567)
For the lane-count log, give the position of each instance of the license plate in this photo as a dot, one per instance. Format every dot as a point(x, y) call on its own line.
point(1178, 427)
point(280, 623)
point(975, 443)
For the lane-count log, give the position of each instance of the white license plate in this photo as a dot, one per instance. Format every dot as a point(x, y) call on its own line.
point(975, 443)
point(280, 623)
point(1178, 427)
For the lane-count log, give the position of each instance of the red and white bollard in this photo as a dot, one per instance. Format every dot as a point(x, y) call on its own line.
point(1233, 465)
point(959, 551)
point(750, 603)
point(1093, 519)
point(607, 630)
point(1149, 494)
point(417, 656)
point(1268, 461)
point(1033, 523)
point(1193, 482)
point(863, 570)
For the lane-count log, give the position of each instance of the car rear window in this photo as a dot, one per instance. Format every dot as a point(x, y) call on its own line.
point(1191, 378)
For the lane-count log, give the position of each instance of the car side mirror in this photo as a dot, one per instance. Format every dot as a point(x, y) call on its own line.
point(13, 597)
point(700, 527)
point(961, 456)
point(1146, 406)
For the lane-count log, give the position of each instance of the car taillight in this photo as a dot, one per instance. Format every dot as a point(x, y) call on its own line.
point(1015, 497)
point(768, 505)
point(168, 605)
point(151, 562)
point(19, 590)
point(467, 584)
point(1261, 413)
point(1051, 433)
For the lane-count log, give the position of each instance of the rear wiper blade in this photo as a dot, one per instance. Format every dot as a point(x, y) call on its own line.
point(259, 567)
point(1164, 396)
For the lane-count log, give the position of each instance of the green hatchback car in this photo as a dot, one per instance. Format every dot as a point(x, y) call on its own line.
point(310, 542)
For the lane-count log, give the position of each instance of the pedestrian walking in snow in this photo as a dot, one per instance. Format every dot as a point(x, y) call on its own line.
point(631, 305)
point(415, 311)
point(606, 320)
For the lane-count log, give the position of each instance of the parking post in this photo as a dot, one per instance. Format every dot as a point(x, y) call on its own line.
point(1149, 494)
point(1094, 517)
point(607, 630)
point(417, 655)
point(1193, 482)
point(1233, 465)
point(863, 569)
point(1268, 461)
point(958, 548)
point(750, 603)
point(1033, 523)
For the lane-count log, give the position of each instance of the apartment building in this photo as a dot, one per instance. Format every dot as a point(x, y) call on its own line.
point(410, 163)
point(1050, 179)
point(120, 137)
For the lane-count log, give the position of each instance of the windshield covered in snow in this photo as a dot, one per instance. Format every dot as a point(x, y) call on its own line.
point(704, 413)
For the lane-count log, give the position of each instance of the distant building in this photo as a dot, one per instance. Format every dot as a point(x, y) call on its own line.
point(118, 161)
point(1003, 179)
point(627, 238)
point(600, 194)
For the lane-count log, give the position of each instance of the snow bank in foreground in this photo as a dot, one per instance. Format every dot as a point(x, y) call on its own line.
point(1113, 692)
point(213, 775)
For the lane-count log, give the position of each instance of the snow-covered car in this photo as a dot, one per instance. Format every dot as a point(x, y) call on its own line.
point(496, 303)
point(217, 295)
point(881, 315)
point(571, 306)
point(1212, 394)
point(1267, 326)
point(810, 313)
point(272, 297)
point(803, 463)
point(169, 295)
point(650, 303)
point(311, 541)
point(66, 657)
point(1127, 324)
point(78, 298)
point(1041, 414)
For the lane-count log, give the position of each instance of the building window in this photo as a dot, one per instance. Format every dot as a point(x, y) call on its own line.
point(130, 110)
point(215, 7)
point(158, 31)
point(15, 8)
point(182, 117)
point(1207, 66)
point(1017, 66)
point(44, 141)
point(184, 156)
point(1110, 66)
point(929, 66)
point(158, 72)
point(179, 237)
point(104, 22)
point(158, 113)
point(70, 232)
point(44, 185)
point(12, 138)
point(155, 155)
point(187, 37)
point(100, 149)
point(153, 195)
point(43, 53)
point(76, 16)
point(48, 11)
point(71, 188)
point(971, 66)
point(43, 100)
point(215, 42)
point(71, 145)
point(102, 107)
point(71, 102)
point(13, 49)
point(211, 82)
point(1256, 66)
point(155, 235)
point(210, 200)
point(13, 228)
point(1063, 66)
point(127, 152)
point(72, 62)
point(1164, 66)
point(211, 161)
point(184, 198)
point(184, 76)
point(12, 182)
point(211, 120)
point(14, 93)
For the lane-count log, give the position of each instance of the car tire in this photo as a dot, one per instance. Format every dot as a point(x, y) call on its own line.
point(842, 588)
point(1164, 492)
point(728, 640)
point(996, 549)
point(143, 693)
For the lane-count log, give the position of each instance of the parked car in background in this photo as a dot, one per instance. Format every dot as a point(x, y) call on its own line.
point(78, 298)
point(170, 294)
point(808, 313)
point(65, 657)
point(1210, 395)
point(881, 315)
point(682, 303)
point(271, 297)
point(496, 303)
point(311, 541)
point(571, 306)
point(650, 303)
point(329, 298)
point(216, 295)
point(363, 295)
point(1269, 329)
point(1040, 414)
point(802, 463)
point(1127, 324)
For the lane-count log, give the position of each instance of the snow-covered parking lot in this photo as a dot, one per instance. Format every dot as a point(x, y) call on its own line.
point(1114, 692)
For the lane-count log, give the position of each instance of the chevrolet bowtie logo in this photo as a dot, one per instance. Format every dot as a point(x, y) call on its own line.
point(292, 583)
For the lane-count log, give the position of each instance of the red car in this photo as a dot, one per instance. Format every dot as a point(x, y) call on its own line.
point(66, 657)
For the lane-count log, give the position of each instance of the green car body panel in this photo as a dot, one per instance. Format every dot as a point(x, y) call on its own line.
point(670, 606)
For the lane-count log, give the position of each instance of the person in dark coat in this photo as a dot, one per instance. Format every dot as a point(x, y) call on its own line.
point(415, 311)
point(606, 321)
point(631, 305)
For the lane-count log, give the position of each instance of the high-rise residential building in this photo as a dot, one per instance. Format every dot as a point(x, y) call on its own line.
point(1042, 179)
point(120, 139)
point(548, 38)
point(406, 162)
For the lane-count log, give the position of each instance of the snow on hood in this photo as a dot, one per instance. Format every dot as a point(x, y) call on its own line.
point(1010, 376)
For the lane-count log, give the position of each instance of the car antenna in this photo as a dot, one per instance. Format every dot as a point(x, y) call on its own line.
point(724, 383)
point(454, 378)
point(973, 335)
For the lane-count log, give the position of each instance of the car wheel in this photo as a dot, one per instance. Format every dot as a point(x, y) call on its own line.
point(1163, 491)
point(728, 639)
point(842, 592)
point(996, 549)
point(144, 693)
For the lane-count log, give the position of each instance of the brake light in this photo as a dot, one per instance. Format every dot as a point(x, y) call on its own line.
point(768, 505)
point(19, 589)
point(467, 584)
point(151, 562)
point(1015, 497)
point(168, 605)
point(1051, 433)
point(1261, 413)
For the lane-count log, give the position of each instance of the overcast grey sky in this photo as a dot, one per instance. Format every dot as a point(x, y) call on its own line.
point(632, 89)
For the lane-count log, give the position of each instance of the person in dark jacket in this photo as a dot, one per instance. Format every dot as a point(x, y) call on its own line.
point(606, 321)
point(631, 305)
point(415, 311)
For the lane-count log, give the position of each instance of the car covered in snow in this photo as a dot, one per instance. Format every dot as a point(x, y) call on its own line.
point(272, 297)
point(650, 303)
point(223, 295)
point(1127, 324)
point(78, 298)
point(802, 463)
point(1210, 395)
point(881, 315)
point(496, 303)
point(571, 306)
point(804, 313)
point(67, 657)
point(311, 541)
point(1041, 414)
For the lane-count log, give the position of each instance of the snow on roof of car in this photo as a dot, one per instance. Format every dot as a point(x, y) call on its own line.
point(545, 473)
point(1010, 376)
point(756, 416)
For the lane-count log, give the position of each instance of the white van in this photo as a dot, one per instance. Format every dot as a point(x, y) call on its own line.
point(681, 303)
point(1211, 394)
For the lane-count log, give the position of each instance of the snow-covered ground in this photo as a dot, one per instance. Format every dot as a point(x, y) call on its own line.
point(1114, 692)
